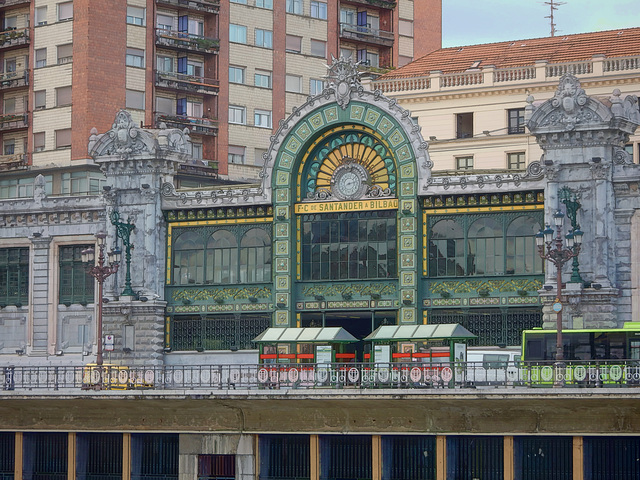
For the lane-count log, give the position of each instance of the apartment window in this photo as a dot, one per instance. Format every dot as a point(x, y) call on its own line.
point(405, 27)
point(165, 22)
point(264, 38)
point(82, 183)
point(464, 125)
point(164, 64)
point(41, 57)
point(236, 75)
point(348, 16)
point(237, 115)
point(10, 64)
point(294, 6)
point(262, 78)
point(315, 86)
point(38, 141)
point(265, 4)
point(14, 275)
point(319, 9)
point(195, 27)
point(76, 285)
point(10, 23)
point(65, 11)
point(164, 105)
point(243, 2)
point(40, 99)
point(9, 105)
point(194, 68)
point(318, 48)
point(293, 83)
point(293, 44)
point(516, 121)
point(237, 33)
point(41, 15)
point(262, 118)
point(135, 15)
point(135, 57)
point(464, 163)
point(63, 96)
point(236, 154)
point(515, 161)
point(9, 146)
point(134, 99)
point(258, 156)
point(63, 138)
point(65, 53)
point(372, 59)
point(194, 109)
point(196, 151)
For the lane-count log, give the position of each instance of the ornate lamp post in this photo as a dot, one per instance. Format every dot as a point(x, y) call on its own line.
point(100, 272)
point(552, 248)
point(123, 231)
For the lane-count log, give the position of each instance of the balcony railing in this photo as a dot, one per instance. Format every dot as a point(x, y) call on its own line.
point(307, 376)
point(13, 121)
point(14, 37)
point(389, 4)
point(207, 6)
point(197, 125)
point(14, 79)
point(366, 34)
point(186, 41)
point(13, 162)
point(187, 83)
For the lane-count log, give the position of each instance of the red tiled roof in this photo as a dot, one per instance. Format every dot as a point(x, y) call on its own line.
point(518, 53)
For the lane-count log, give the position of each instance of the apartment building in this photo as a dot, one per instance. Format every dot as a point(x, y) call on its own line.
point(228, 71)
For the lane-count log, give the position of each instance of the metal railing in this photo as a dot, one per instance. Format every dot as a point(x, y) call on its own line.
point(413, 375)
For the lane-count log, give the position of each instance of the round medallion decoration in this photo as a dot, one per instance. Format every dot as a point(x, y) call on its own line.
point(349, 181)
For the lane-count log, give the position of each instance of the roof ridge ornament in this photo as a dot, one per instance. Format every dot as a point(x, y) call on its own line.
point(343, 76)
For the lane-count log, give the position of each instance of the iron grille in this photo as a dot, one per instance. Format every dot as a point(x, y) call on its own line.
point(218, 332)
point(216, 467)
point(99, 456)
point(543, 458)
point(347, 457)
point(409, 457)
point(611, 458)
point(7, 455)
point(284, 457)
point(492, 326)
point(154, 456)
point(45, 456)
point(471, 457)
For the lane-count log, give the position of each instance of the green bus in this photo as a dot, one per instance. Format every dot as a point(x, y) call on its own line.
point(591, 356)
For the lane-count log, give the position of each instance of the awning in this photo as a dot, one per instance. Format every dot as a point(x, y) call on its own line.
point(305, 335)
point(445, 331)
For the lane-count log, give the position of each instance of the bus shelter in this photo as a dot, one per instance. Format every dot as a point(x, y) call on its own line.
point(417, 343)
point(304, 345)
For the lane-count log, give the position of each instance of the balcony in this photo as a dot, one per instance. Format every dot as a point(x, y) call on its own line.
point(196, 125)
point(187, 83)
point(13, 162)
point(11, 3)
point(186, 41)
point(388, 4)
point(206, 6)
point(13, 121)
point(14, 38)
point(14, 79)
point(366, 35)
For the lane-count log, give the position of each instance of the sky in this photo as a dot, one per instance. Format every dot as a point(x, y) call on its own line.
point(469, 22)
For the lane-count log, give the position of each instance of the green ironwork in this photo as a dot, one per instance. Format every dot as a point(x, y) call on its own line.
point(123, 231)
point(14, 276)
point(285, 457)
point(76, 285)
point(217, 332)
point(572, 204)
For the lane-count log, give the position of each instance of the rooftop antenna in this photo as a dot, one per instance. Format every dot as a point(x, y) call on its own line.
point(553, 5)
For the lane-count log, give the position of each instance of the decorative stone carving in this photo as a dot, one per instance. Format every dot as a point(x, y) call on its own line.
point(343, 78)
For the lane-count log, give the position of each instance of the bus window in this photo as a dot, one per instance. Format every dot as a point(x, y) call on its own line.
point(634, 347)
point(534, 349)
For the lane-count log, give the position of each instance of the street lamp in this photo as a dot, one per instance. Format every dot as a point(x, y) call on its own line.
point(100, 272)
point(552, 248)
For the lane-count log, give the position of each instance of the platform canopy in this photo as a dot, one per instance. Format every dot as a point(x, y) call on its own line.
point(305, 335)
point(445, 331)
